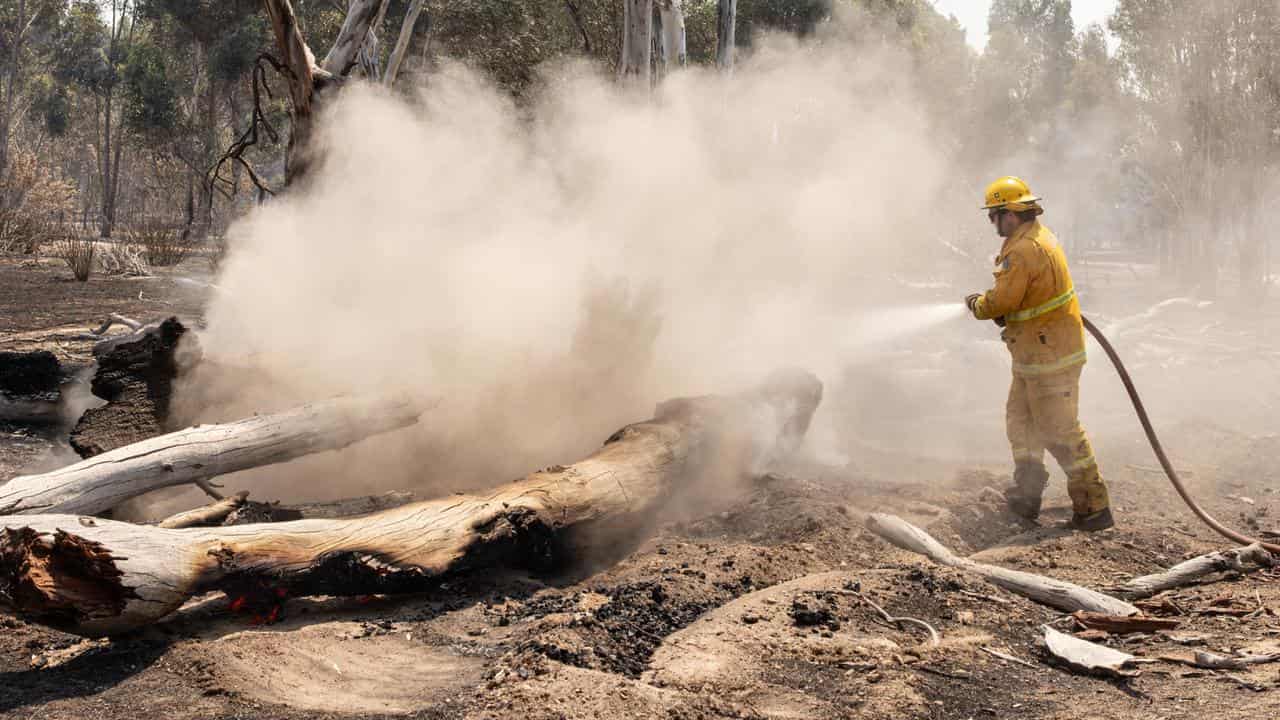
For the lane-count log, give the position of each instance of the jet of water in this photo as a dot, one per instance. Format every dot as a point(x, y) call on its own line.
point(884, 326)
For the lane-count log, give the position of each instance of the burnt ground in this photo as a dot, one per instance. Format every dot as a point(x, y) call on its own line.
point(753, 610)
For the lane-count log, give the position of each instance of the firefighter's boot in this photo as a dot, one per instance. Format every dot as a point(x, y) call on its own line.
point(1029, 481)
point(1092, 522)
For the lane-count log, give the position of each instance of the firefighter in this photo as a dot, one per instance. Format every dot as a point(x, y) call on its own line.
point(1034, 302)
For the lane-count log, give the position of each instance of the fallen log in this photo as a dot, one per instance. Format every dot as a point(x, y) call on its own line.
point(1049, 591)
point(98, 577)
point(135, 376)
point(190, 456)
point(1189, 571)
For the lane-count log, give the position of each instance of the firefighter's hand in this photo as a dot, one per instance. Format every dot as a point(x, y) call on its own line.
point(971, 302)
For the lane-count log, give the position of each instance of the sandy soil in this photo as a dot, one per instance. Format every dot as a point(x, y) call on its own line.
point(753, 610)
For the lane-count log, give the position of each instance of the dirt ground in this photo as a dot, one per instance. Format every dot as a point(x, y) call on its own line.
point(754, 610)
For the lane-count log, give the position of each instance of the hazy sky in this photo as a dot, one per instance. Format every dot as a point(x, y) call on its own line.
point(972, 14)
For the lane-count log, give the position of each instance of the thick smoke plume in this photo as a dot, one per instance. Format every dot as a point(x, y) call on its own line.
point(549, 272)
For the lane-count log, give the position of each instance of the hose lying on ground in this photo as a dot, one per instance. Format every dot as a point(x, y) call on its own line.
point(1159, 449)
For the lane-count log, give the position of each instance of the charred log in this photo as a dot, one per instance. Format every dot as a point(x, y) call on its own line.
point(527, 523)
point(30, 386)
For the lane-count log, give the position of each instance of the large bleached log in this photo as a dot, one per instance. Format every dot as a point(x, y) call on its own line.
point(1190, 571)
point(202, 452)
point(1054, 593)
point(99, 577)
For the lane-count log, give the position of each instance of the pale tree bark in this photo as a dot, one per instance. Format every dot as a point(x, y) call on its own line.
point(637, 46)
point(675, 48)
point(99, 577)
point(726, 20)
point(402, 43)
point(355, 28)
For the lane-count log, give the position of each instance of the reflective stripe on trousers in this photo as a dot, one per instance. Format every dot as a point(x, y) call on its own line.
point(1042, 414)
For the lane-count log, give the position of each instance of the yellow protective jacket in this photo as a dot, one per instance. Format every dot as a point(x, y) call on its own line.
point(1035, 296)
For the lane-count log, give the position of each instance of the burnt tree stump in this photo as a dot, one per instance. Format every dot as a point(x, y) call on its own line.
point(135, 377)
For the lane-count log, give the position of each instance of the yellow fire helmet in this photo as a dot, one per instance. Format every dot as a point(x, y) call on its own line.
point(1011, 193)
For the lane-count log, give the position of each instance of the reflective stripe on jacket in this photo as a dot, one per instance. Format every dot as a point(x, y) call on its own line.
point(1035, 296)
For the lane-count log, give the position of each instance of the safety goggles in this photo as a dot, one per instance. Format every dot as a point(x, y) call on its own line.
point(995, 214)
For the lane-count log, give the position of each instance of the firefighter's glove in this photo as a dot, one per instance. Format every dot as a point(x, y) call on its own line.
point(1000, 321)
point(971, 302)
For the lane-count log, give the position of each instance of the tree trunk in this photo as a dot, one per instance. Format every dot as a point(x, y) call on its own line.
point(402, 43)
point(201, 452)
point(108, 195)
point(307, 80)
point(637, 47)
point(99, 577)
point(726, 20)
point(673, 29)
point(658, 53)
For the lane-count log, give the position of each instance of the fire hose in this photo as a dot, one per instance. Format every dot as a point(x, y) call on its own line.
point(1159, 449)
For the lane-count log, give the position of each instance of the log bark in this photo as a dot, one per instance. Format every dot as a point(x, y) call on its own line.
point(1187, 572)
point(198, 453)
point(1048, 591)
point(99, 577)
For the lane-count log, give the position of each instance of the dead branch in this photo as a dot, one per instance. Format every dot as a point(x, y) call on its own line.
point(934, 638)
point(1210, 661)
point(100, 577)
point(1006, 656)
point(1116, 625)
point(1049, 591)
point(1189, 571)
point(257, 119)
point(116, 319)
point(198, 453)
point(211, 514)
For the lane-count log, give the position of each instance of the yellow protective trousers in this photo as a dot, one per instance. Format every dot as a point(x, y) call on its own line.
point(1043, 414)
